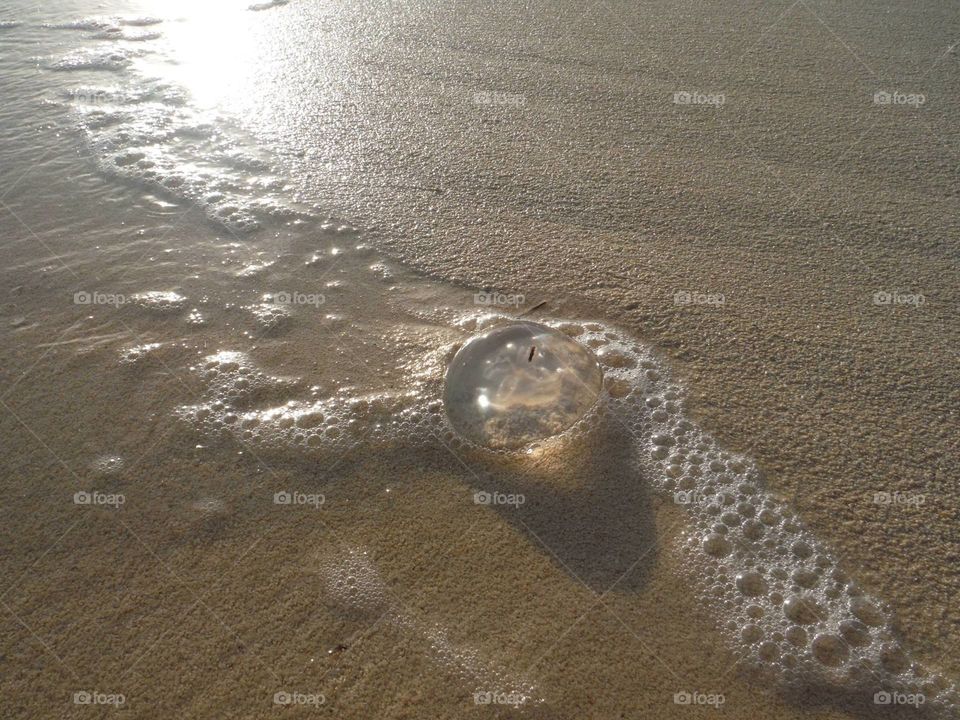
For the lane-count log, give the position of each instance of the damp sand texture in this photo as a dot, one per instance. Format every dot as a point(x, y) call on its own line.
point(241, 245)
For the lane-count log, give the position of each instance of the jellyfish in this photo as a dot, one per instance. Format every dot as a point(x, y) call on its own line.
point(519, 383)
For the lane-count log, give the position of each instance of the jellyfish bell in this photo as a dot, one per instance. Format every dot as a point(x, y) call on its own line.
point(518, 383)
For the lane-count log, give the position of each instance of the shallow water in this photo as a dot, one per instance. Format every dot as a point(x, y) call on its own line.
point(241, 247)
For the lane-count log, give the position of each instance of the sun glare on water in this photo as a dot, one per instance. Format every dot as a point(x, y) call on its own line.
point(212, 48)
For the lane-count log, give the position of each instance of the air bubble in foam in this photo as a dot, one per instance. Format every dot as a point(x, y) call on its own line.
point(136, 353)
point(803, 609)
point(161, 301)
point(106, 59)
point(270, 317)
point(107, 465)
point(751, 583)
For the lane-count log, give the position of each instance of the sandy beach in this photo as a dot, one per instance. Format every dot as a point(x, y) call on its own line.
point(240, 245)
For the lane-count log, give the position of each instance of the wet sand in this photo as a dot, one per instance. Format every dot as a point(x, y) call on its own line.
point(582, 185)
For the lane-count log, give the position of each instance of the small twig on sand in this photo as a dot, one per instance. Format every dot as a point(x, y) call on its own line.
point(535, 307)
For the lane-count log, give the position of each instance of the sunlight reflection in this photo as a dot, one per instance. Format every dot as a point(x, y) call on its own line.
point(212, 48)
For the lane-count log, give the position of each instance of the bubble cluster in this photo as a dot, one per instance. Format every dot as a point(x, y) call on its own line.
point(108, 465)
point(160, 301)
point(352, 581)
point(136, 353)
point(106, 59)
point(782, 599)
point(270, 317)
point(381, 271)
point(329, 425)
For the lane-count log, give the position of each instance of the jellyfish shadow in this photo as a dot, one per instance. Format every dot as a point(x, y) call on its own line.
point(585, 504)
point(597, 524)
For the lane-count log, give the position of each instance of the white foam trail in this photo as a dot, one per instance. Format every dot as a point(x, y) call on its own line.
point(144, 130)
point(779, 595)
point(256, 7)
point(108, 59)
point(105, 22)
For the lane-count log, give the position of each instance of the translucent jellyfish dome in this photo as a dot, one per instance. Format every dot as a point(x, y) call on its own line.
point(518, 383)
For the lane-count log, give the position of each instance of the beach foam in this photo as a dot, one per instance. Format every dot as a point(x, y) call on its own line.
point(256, 7)
point(112, 59)
point(142, 130)
point(102, 22)
point(150, 139)
point(781, 599)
